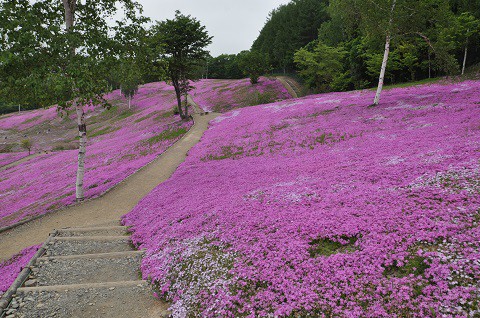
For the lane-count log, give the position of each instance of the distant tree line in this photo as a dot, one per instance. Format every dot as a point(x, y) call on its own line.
point(341, 44)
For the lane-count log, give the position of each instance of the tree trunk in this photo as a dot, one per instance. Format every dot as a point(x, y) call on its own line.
point(465, 58)
point(70, 6)
point(429, 65)
point(385, 56)
point(82, 149)
point(176, 85)
point(129, 101)
point(382, 70)
point(186, 106)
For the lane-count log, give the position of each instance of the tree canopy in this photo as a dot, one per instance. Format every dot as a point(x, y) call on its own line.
point(182, 44)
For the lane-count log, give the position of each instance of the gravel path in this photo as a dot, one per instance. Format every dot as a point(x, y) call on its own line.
point(115, 203)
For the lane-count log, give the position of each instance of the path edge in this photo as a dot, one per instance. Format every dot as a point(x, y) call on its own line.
point(9, 227)
point(18, 282)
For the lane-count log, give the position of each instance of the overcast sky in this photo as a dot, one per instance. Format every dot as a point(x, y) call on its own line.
point(234, 24)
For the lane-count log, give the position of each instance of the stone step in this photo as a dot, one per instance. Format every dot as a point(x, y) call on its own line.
point(133, 299)
point(77, 245)
point(87, 269)
point(94, 231)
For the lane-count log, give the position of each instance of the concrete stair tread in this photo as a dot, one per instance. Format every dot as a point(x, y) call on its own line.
point(109, 300)
point(93, 231)
point(61, 271)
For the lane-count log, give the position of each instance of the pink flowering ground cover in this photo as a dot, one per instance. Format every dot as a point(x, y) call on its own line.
point(117, 148)
point(10, 268)
point(224, 95)
point(10, 157)
point(27, 119)
point(323, 206)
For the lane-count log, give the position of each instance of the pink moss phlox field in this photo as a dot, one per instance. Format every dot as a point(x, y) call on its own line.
point(326, 206)
point(47, 182)
point(224, 95)
point(27, 119)
point(10, 268)
point(10, 157)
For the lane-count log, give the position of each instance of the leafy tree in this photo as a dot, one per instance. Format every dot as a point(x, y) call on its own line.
point(62, 55)
point(130, 78)
point(319, 64)
point(27, 145)
point(391, 19)
point(253, 64)
point(464, 27)
point(289, 28)
point(182, 43)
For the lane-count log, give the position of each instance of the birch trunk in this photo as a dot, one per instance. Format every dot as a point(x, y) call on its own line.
point(465, 58)
point(129, 101)
point(69, 7)
point(382, 70)
point(82, 149)
point(385, 56)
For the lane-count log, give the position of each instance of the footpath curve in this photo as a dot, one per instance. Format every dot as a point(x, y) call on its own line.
point(115, 203)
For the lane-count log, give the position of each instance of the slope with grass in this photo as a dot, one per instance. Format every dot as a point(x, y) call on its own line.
point(224, 95)
point(324, 206)
point(120, 142)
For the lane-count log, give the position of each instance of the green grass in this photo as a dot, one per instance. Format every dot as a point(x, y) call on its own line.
point(32, 119)
point(409, 84)
point(103, 131)
point(327, 247)
point(124, 114)
point(167, 135)
point(415, 265)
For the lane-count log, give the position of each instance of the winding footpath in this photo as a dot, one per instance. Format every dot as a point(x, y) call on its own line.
point(115, 203)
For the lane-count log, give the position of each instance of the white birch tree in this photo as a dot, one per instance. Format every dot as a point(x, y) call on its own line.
point(59, 52)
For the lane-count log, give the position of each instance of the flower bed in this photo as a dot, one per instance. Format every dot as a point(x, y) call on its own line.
point(225, 95)
point(115, 150)
point(324, 206)
point(10, 157)
point(10, 268)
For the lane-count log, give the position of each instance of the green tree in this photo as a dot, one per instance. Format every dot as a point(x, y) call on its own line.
point(253, 64)
point(27, 145)
point(129, 78)
point(319, 64)
point(62, 55)
point(464, 27)
point(182, 43)
point(390, 20)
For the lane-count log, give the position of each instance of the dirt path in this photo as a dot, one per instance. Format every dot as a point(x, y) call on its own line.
point(290, 85)
point(115, 203)
point(24, 159)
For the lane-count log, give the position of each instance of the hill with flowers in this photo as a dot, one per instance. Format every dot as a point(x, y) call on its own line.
point(121, 140)
point(324, 206)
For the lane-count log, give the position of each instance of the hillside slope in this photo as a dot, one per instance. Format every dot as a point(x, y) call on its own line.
point(120, 142)
point(224, 95)
point(325, 206)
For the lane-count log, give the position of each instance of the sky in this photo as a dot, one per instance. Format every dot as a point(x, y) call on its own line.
point(234, 24)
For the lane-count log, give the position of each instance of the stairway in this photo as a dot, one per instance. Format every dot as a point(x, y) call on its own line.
point(87, 272)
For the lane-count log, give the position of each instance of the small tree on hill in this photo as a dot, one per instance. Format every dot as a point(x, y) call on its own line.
point(27, 145)
point(130, 78)
point(253, 64)
point(183, 43)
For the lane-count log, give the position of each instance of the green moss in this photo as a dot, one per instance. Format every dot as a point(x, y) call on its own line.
point(167, 135)
point(327, 247)
point(32, 119)
point(103, 131)
point(227, 152)
point(416, 265)
point(124, 114)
